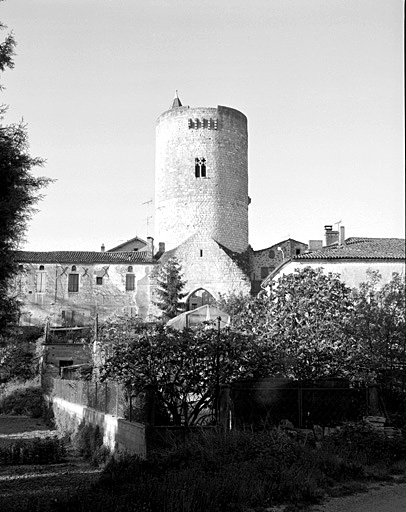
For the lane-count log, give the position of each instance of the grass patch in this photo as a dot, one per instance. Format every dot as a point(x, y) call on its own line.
point(22, 398)
point(50, 450)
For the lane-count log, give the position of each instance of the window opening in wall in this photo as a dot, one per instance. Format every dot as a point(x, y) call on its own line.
point(201, 253)
point(20, 267)
point(200, 167)
point(41, 282)
point(41, 267)
point(64, 364)
point(68, 318)
point(130, 269)
point(73, 268)
point(73, 282)
point(272, 254)
point(264, 272)
point(297, 251)
point(99, 280)
point(130, 282)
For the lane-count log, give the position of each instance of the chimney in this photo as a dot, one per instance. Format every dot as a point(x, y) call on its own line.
point(161, 249)
point(102, 248)
point(330, 236)
point(150, 244)
point(315, 245)
point(341, 240)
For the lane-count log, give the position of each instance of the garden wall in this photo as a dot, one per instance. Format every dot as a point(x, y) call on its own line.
point(118, 434)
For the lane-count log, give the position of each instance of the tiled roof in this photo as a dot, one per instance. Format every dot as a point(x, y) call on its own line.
point(291, 240)
point(135, 239)
point(82, 257)
point(359, 248)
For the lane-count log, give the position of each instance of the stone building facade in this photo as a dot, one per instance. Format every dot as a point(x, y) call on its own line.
point(69, 288)
point(265, 261)
point(351, 258)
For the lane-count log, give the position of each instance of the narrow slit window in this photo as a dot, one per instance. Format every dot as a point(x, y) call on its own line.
point(41, 282)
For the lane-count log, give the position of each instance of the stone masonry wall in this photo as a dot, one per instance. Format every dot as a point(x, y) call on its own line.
point(206, 265)
point(265, 261)
point(216, 204)
point(57, 303)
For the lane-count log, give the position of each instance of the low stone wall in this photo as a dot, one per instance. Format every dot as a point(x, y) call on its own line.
point(118, 434)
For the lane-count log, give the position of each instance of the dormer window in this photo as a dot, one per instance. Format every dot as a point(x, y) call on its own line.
point(200, 167)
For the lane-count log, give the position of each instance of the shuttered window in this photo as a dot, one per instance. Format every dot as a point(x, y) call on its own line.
point(130, 282)
point(73, 283)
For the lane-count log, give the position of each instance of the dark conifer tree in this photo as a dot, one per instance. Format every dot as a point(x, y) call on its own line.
point(19, 192)
point(169, 288)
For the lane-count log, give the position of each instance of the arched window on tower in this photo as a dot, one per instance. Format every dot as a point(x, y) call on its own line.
point(200, 167)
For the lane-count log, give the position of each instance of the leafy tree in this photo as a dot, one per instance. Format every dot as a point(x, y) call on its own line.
point(169, 288)
point(301, 327)
point(380, 323)
point(183, 367)
point(19, 192)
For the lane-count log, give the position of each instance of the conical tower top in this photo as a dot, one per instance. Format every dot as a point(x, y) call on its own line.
point(176, 101)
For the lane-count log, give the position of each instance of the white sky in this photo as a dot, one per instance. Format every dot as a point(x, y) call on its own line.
point(321, 82)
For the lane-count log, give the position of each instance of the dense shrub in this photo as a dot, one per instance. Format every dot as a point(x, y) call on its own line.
point(33, 451)
point(88, 441)
point(25, 398)
point(211, 471)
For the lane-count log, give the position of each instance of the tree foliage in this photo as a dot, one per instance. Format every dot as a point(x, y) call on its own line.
point(302, 324)
point(309, 326)
point(380, 324)
point(183, 367)
point(19, 192)
point(313, 325)
point(169, 288)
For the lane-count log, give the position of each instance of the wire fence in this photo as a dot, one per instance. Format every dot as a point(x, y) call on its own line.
point(107, 397)
point(265, 404)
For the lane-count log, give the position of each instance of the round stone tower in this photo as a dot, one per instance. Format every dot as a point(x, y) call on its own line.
point(201, 176)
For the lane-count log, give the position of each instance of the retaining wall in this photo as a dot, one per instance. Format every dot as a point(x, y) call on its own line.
point(118, 434)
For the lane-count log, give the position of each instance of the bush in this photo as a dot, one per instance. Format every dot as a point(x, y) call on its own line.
point(36, 451)
point(238, 471)
point(88, 441)
point(22, 399)
point(361, 444)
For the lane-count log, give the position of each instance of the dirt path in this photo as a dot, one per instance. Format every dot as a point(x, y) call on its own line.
point(39, 488)
point(379, 498)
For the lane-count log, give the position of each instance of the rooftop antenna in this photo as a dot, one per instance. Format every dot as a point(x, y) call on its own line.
point(338, 224)
point(148, 217)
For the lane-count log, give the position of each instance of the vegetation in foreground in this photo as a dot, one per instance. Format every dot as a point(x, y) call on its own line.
point(22, 398)
point(243, 471)
point(50, 450)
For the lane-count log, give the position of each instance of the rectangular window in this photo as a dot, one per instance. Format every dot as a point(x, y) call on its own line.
point(297, 252)
point(130, 282)
point(99, 280)
point(73, 283)
point(41, 281)
point(264, 272)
